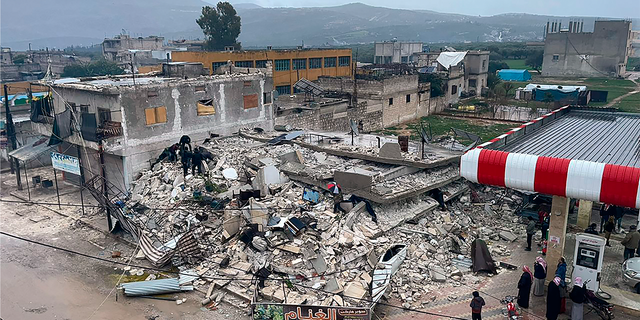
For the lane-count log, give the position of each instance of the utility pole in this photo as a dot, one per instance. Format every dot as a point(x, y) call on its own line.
point(105, 190)
point(354, 99)
point(11, 132)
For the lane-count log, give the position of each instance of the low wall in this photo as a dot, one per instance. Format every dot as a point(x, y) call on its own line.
point(319, 119)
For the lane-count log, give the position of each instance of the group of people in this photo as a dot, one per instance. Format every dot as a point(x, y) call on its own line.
point(611, 221)
point(536, 279)
point(189, 157)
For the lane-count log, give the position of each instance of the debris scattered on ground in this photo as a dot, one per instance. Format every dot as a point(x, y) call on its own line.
point(256, 230)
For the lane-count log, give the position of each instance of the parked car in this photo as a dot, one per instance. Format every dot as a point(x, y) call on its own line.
point(631, 272)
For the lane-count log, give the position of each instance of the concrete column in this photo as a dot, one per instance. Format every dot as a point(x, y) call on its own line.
point(557, 233)
point(584, 214)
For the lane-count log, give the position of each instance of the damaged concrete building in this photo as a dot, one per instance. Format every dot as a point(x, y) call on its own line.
point(573, 52)
point(135, 119)
point(381, 102)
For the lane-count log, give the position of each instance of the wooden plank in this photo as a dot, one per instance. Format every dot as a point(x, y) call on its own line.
point(250, 101)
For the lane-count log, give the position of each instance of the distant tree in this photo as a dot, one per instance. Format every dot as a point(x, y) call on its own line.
point(548, 98)
point(507, 87)
point(220, 25)
point(97, 68)
point(19, 58)
point(497, 65)
point(493, 80)
point(437, 82)
point(534, 60)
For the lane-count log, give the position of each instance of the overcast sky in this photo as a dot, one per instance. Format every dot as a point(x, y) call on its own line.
point(595, 8)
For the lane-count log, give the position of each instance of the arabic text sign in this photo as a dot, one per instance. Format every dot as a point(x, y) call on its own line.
point(65, 163)
point(307, 312)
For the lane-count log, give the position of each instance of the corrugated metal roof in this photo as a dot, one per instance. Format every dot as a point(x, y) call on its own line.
point(598, 136)
point(32, 150)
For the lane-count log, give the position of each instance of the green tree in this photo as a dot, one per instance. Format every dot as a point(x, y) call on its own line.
point(19, 58)
point(497, 65)
point(97, 68)
point(534, 60)
point(220, 25)
point(493, 80)
point(437, 83)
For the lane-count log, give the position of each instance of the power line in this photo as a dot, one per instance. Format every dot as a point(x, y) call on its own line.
point(215, 278)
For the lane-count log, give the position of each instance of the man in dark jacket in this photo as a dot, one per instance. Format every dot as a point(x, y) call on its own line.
point(618, 213)
point(531, 230)
point(196, 162)
point(476, 306)
point(592, 229)
point(630, 242)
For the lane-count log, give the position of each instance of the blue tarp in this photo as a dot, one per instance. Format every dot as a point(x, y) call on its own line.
point(514, 75)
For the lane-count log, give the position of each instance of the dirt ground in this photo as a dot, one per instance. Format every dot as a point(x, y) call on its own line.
point(37, 282)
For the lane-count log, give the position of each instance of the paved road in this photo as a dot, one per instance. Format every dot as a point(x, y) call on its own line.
point(42, 283)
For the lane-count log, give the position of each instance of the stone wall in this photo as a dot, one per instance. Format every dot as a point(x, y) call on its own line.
point(332, 119)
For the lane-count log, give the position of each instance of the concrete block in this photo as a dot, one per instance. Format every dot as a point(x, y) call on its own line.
point(390, 150)
point(355, 290)
point(351, 180)
point(508, 235)
point(437, 274)
point(319, 264)
point(293, 156)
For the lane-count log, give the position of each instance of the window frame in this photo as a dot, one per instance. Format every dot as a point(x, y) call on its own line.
point(216, 65)
point(243, 64)
point(283, 93)
point(407, 98)
point(282, 65)
point(261, 63)
point(319, 65)
point(344, 64)
point(328, 61)
point(155, 111)
point(390, 101)
point(295, 62)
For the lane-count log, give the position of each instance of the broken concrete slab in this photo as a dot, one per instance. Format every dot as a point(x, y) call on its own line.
point(293, 156)
point(355, 290)
point(352, 180)
point(437, 273)
point(230, 174)
point(508, 235)
point(319, 264)
point(390, 150)
point(333, 286)
point(267, 162)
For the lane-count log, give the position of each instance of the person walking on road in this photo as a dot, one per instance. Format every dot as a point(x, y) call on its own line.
point(618, 214)
point(476, 306)
point(630, 243)
point(531, 230)
point(539, 274)
point(578, 295)
point(553, 299)
point(608, 228)
point(524, 287)
point(604, 215)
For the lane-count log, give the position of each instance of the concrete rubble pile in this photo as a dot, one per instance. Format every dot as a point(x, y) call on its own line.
point(257, 233)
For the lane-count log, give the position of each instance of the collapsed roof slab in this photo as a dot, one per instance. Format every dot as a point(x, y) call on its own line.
point(435, 156)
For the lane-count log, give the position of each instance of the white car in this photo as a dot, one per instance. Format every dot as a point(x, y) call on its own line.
point(631, 273)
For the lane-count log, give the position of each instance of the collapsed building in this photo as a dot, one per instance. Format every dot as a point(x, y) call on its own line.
point(118, 125)
point(265, 210)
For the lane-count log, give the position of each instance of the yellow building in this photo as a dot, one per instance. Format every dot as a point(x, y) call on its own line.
point(288, 65)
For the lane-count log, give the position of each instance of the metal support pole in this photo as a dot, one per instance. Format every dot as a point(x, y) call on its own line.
point(27, 179)
point(81, 178)
point(55, 178)
point(11, 133)
point(104, 183)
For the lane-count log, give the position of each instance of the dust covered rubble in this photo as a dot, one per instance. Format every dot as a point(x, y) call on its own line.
point(329, 260)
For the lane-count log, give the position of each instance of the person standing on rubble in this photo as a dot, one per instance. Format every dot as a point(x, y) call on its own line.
point(524, 287)
point(540, 274)
point(185, 159)
point(531, 230)
point(476, 306)
point(196, 162)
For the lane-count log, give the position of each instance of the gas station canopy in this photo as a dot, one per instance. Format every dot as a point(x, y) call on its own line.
point(582, 153)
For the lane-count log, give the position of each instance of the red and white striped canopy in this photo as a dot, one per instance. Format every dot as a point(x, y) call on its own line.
point(587, 180)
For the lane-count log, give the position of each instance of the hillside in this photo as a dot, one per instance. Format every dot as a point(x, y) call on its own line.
point(66, 22)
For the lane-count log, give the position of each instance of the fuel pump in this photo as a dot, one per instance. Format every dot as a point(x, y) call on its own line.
point(587, 259)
